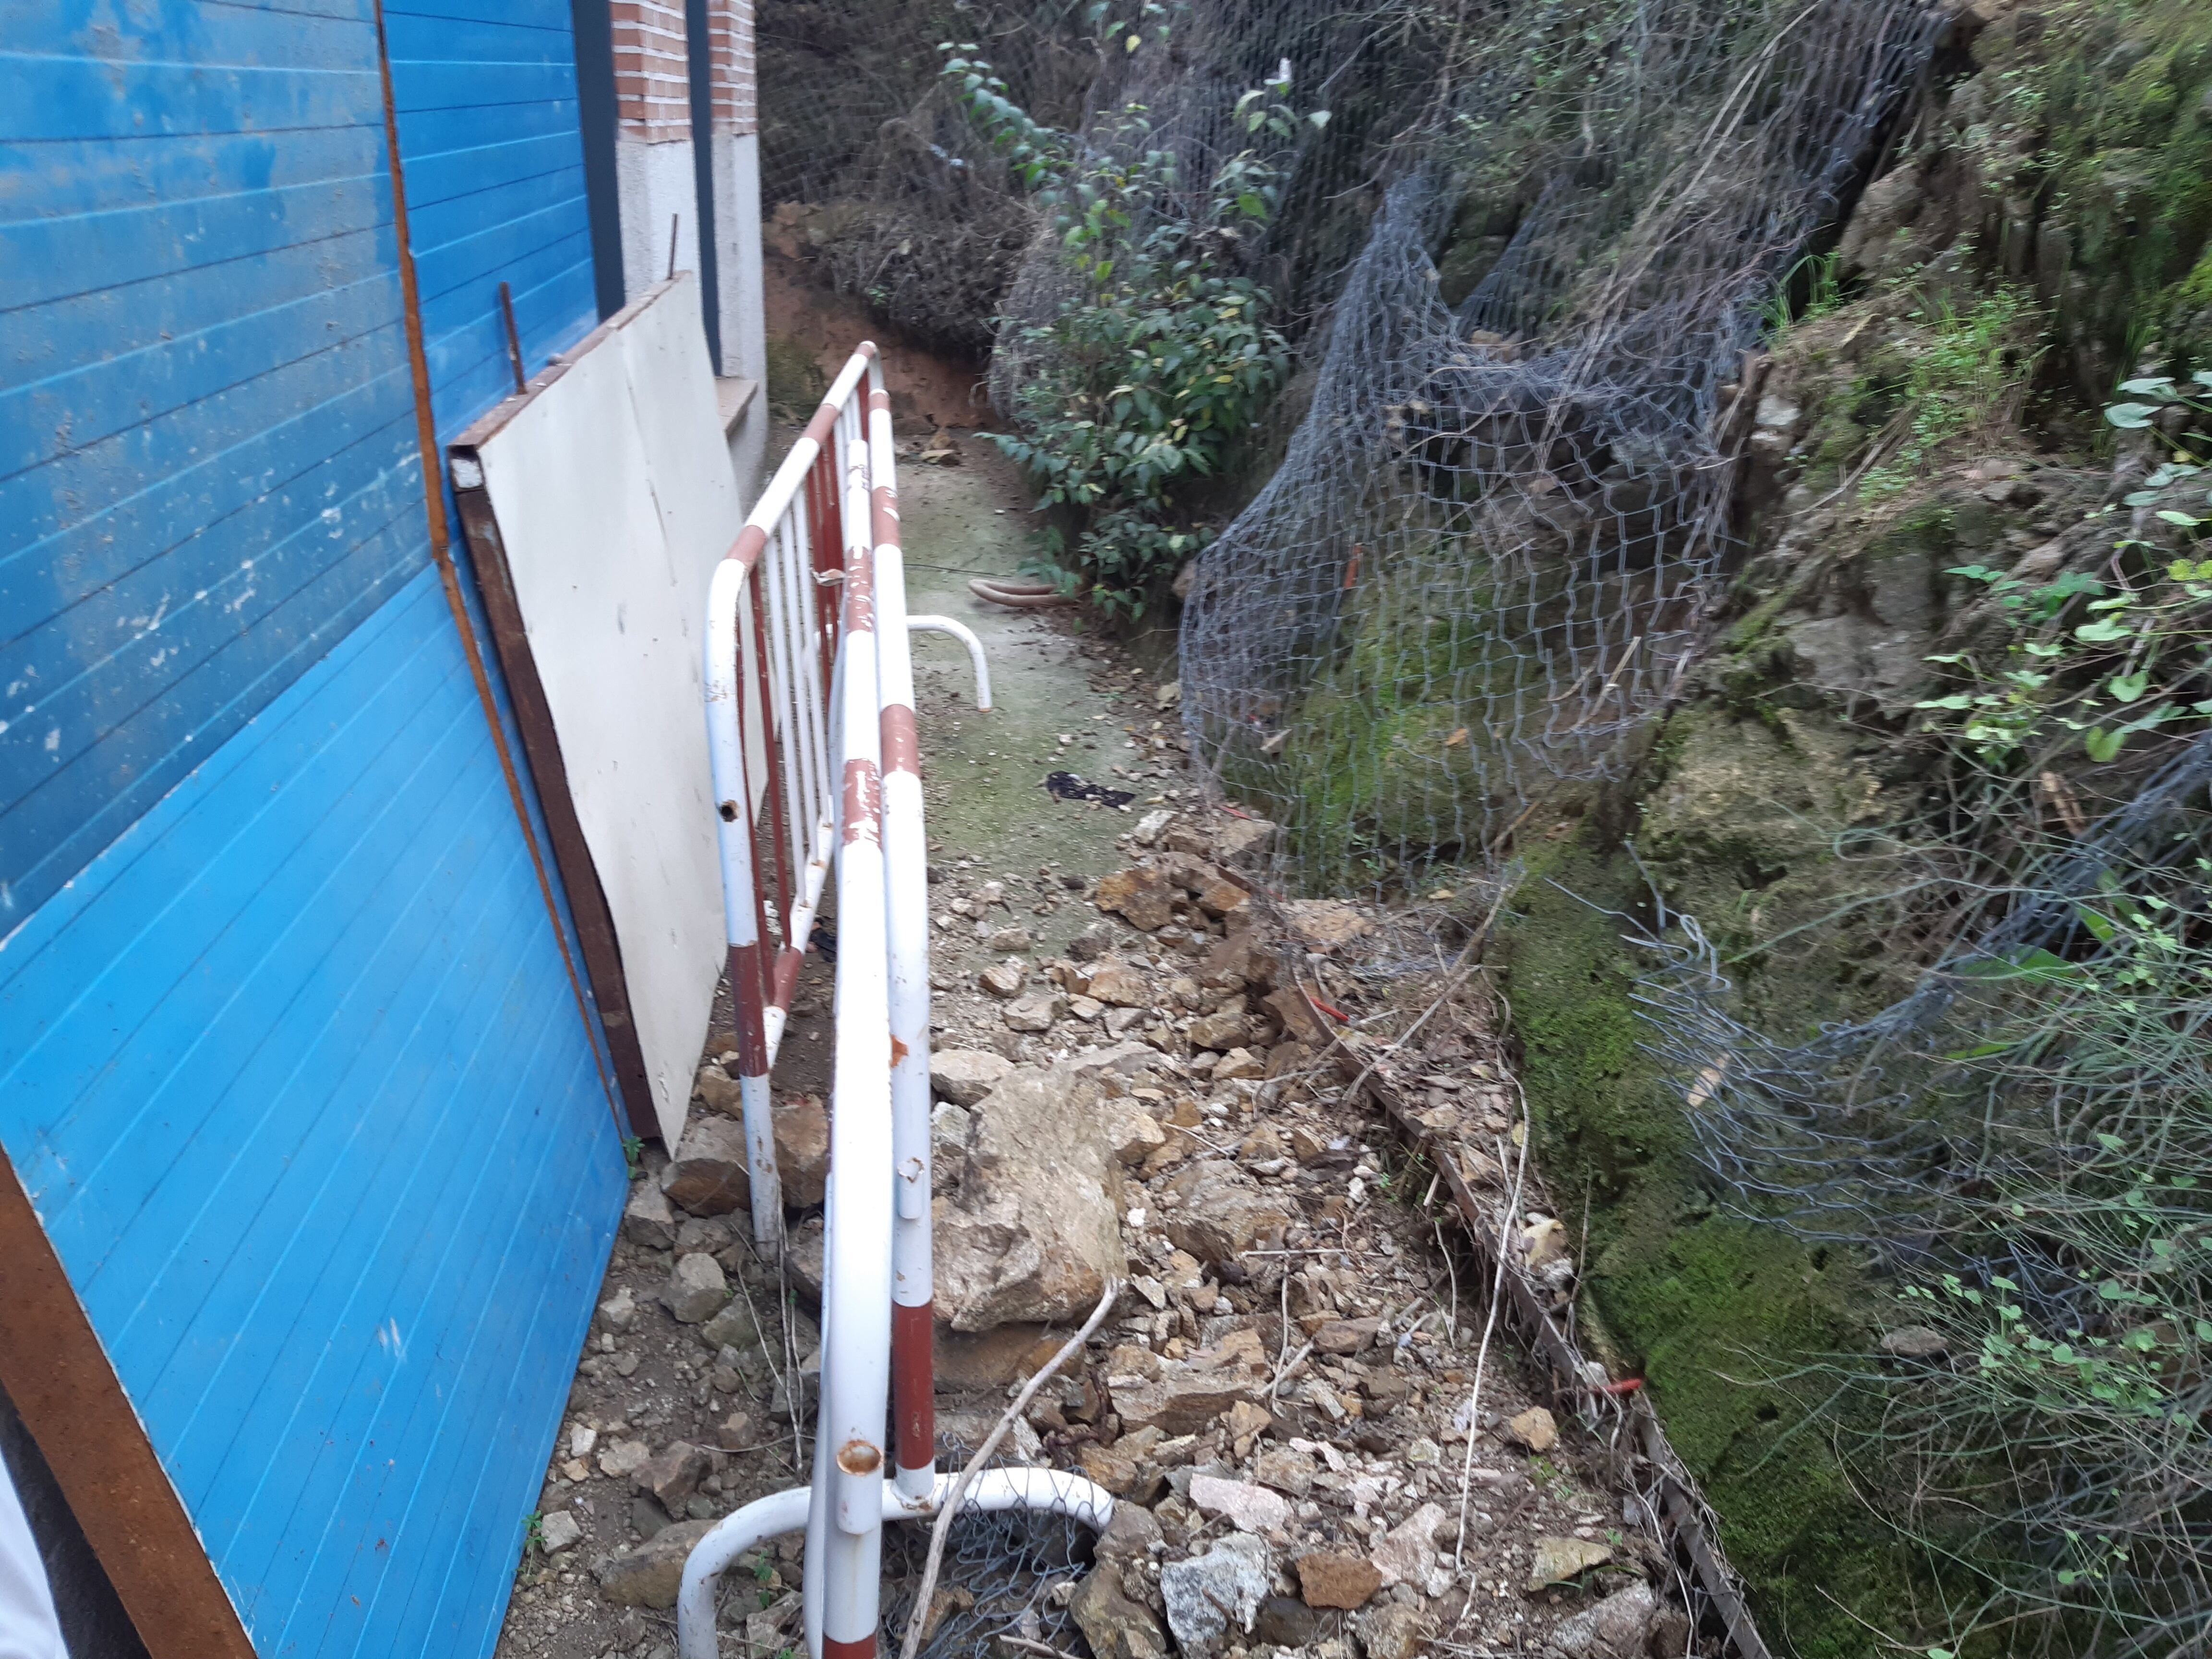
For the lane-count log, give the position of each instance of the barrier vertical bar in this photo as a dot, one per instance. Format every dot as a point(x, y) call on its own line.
point(847, 1510)
point(906, 856)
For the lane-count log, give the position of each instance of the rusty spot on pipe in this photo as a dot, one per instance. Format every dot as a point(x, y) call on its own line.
point(729, 811)
point(860, 1457)
point(899, 1050)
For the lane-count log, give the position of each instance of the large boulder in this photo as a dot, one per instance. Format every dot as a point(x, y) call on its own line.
point(708, 1176)
point(1033, 1233)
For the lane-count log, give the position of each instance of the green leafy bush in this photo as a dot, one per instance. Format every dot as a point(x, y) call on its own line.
point(1159, 358)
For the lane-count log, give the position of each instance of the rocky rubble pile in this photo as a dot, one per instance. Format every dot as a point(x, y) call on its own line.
point(1281, 1402)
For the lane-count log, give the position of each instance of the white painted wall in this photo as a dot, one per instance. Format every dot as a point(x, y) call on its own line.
point(744, 323)
point(615, 500)
point(655, 183)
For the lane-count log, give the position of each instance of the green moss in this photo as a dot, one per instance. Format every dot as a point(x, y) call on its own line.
point(795, 383)
point(1705, 1309)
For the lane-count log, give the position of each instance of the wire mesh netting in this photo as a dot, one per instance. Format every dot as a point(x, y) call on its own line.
point(1486, 557)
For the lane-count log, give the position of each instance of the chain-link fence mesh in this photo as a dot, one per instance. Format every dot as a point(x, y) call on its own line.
point(1486, 557)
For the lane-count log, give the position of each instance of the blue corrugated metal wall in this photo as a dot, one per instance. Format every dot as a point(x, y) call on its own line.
point(289, 1062)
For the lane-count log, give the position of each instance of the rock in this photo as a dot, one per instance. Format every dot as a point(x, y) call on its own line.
point(731, 1328)
point(802, 1149)
point(707, 1176)
point(1616, 1628)
point(1035, 1231)
point(1092, 943)
point(1223, 1212)
point(1221, 898)
point(1325, 924)
point(1114, 1624)
point(1132, 1134)
point(964, 1076)
point(1008, 940)
point(583, 1440)
point(1297, 1018)
point(1284, 1621)
point(1119, 1022)
point(1533, 1430)
point(992, 1359)
point(1386, 1391)
point(1002, 980)
point(1237, 836)
point(718, 1090)
point(1249, 1507)
point(1914, 1342)
point(1118, 985)
point(624, 1458)
point(1182, 1401)
point(650, 1575)
point(1208, 1594)
point(696, 1289)
point(649, 1221)
point(1121, 1468)
point(1346, 1337)
point(950, 1127)
point(1330, 1578)
point(1145, 898)
point(1392, 1631)
point(1035, 1012)
point(1546, 1241)
point(619, 1311)
point(1287, 1470)
point(673, 1473)
point(1239, 959)
point(1224, 1028)
point(1239, 1063)
point(558, 1530)
point(1408, 1554)
point(1149, 826)
point(1559, 1559)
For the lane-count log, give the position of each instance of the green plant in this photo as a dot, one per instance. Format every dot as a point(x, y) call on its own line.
point(1160, 358)
point(634, 1155)
point(1966, 374)
point(1823, 293)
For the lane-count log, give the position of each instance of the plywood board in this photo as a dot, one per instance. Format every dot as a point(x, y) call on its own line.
point(614, 498)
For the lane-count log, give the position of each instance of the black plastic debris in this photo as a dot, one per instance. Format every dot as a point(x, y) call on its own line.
point(1065, 786)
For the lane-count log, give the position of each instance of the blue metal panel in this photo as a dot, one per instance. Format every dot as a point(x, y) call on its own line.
point(206, 442)
point(290, 1060)
point(485, 92)
point(292, 1075)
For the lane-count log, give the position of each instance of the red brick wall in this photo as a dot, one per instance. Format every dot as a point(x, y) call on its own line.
point(652, 95)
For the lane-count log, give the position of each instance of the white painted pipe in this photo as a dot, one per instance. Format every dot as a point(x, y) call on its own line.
point(906, 901)
point(966, 635)
point(847, 1512)
point(1047, 1491)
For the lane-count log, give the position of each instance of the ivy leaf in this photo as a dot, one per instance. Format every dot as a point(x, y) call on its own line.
point(2187, 521)
point(2104, 631)
point(2101, 745)
point(2160, 383)
point(2130, 417)
point(2126, 688)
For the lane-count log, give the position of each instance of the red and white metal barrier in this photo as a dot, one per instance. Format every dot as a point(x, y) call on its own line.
point(814, 715)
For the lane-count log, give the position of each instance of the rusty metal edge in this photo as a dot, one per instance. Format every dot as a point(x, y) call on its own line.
point(548, 770)
point(496, 419)
point(58, 1374)
point(1681, 1520)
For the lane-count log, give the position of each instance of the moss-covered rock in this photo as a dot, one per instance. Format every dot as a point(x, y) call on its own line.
point(1712, 1312)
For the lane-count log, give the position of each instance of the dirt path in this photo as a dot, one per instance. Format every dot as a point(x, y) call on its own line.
point(1290, 1272)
